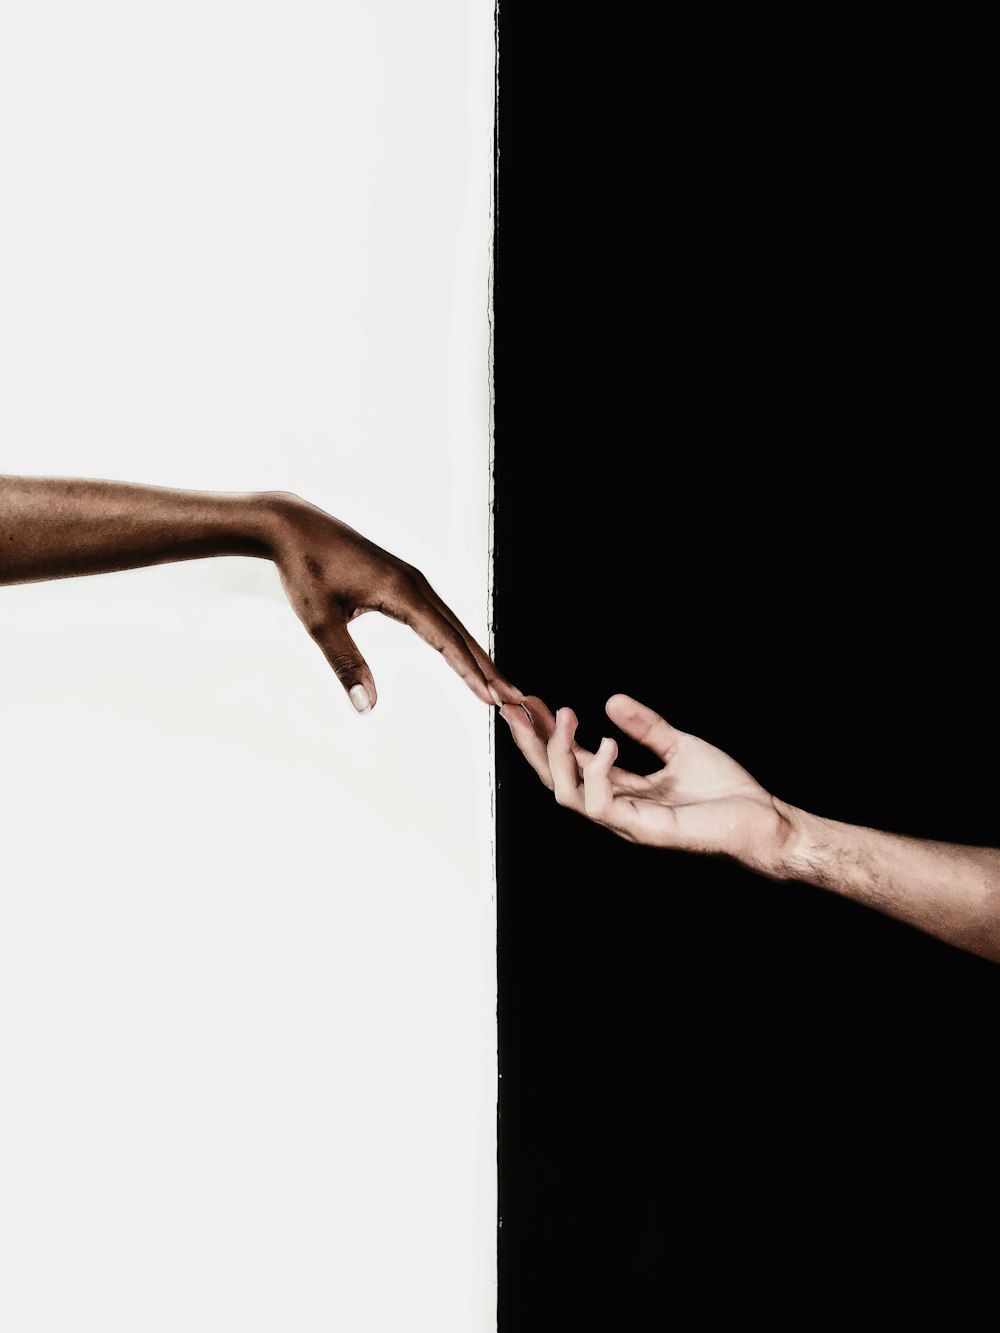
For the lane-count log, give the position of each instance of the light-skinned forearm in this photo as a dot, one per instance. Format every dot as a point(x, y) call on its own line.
point(946, 889)
point(56, 527)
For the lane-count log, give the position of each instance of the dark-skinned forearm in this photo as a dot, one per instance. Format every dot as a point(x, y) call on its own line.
point(53, 527)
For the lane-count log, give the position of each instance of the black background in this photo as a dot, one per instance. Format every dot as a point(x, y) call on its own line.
point(744, 416)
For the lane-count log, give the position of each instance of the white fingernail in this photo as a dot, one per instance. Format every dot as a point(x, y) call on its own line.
point(358, 696)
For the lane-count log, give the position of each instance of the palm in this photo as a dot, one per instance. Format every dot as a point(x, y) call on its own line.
point(701, 800)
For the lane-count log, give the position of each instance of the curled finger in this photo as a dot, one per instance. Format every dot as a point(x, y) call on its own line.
point(599, 795)
point(348, 665)
point(563, 765)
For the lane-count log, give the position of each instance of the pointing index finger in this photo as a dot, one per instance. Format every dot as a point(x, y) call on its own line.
point(502, 691)
point(426, 621)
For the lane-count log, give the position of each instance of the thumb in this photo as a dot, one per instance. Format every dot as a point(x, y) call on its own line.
point(350, 667)
point(643, 725)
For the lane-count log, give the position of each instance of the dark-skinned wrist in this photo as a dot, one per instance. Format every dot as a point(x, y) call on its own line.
point(272, 518)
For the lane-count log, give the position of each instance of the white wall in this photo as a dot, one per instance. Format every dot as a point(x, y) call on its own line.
point(247, 986)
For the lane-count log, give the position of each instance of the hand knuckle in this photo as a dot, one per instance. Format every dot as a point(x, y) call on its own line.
point(392, 579)
point(397, 584)
point(345, 665)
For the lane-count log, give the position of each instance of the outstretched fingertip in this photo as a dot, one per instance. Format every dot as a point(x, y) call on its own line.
point(503, 692)
point(515, 715)
point(483, 692)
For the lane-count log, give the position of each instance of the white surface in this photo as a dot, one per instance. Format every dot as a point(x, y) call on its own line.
point(247, 983)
